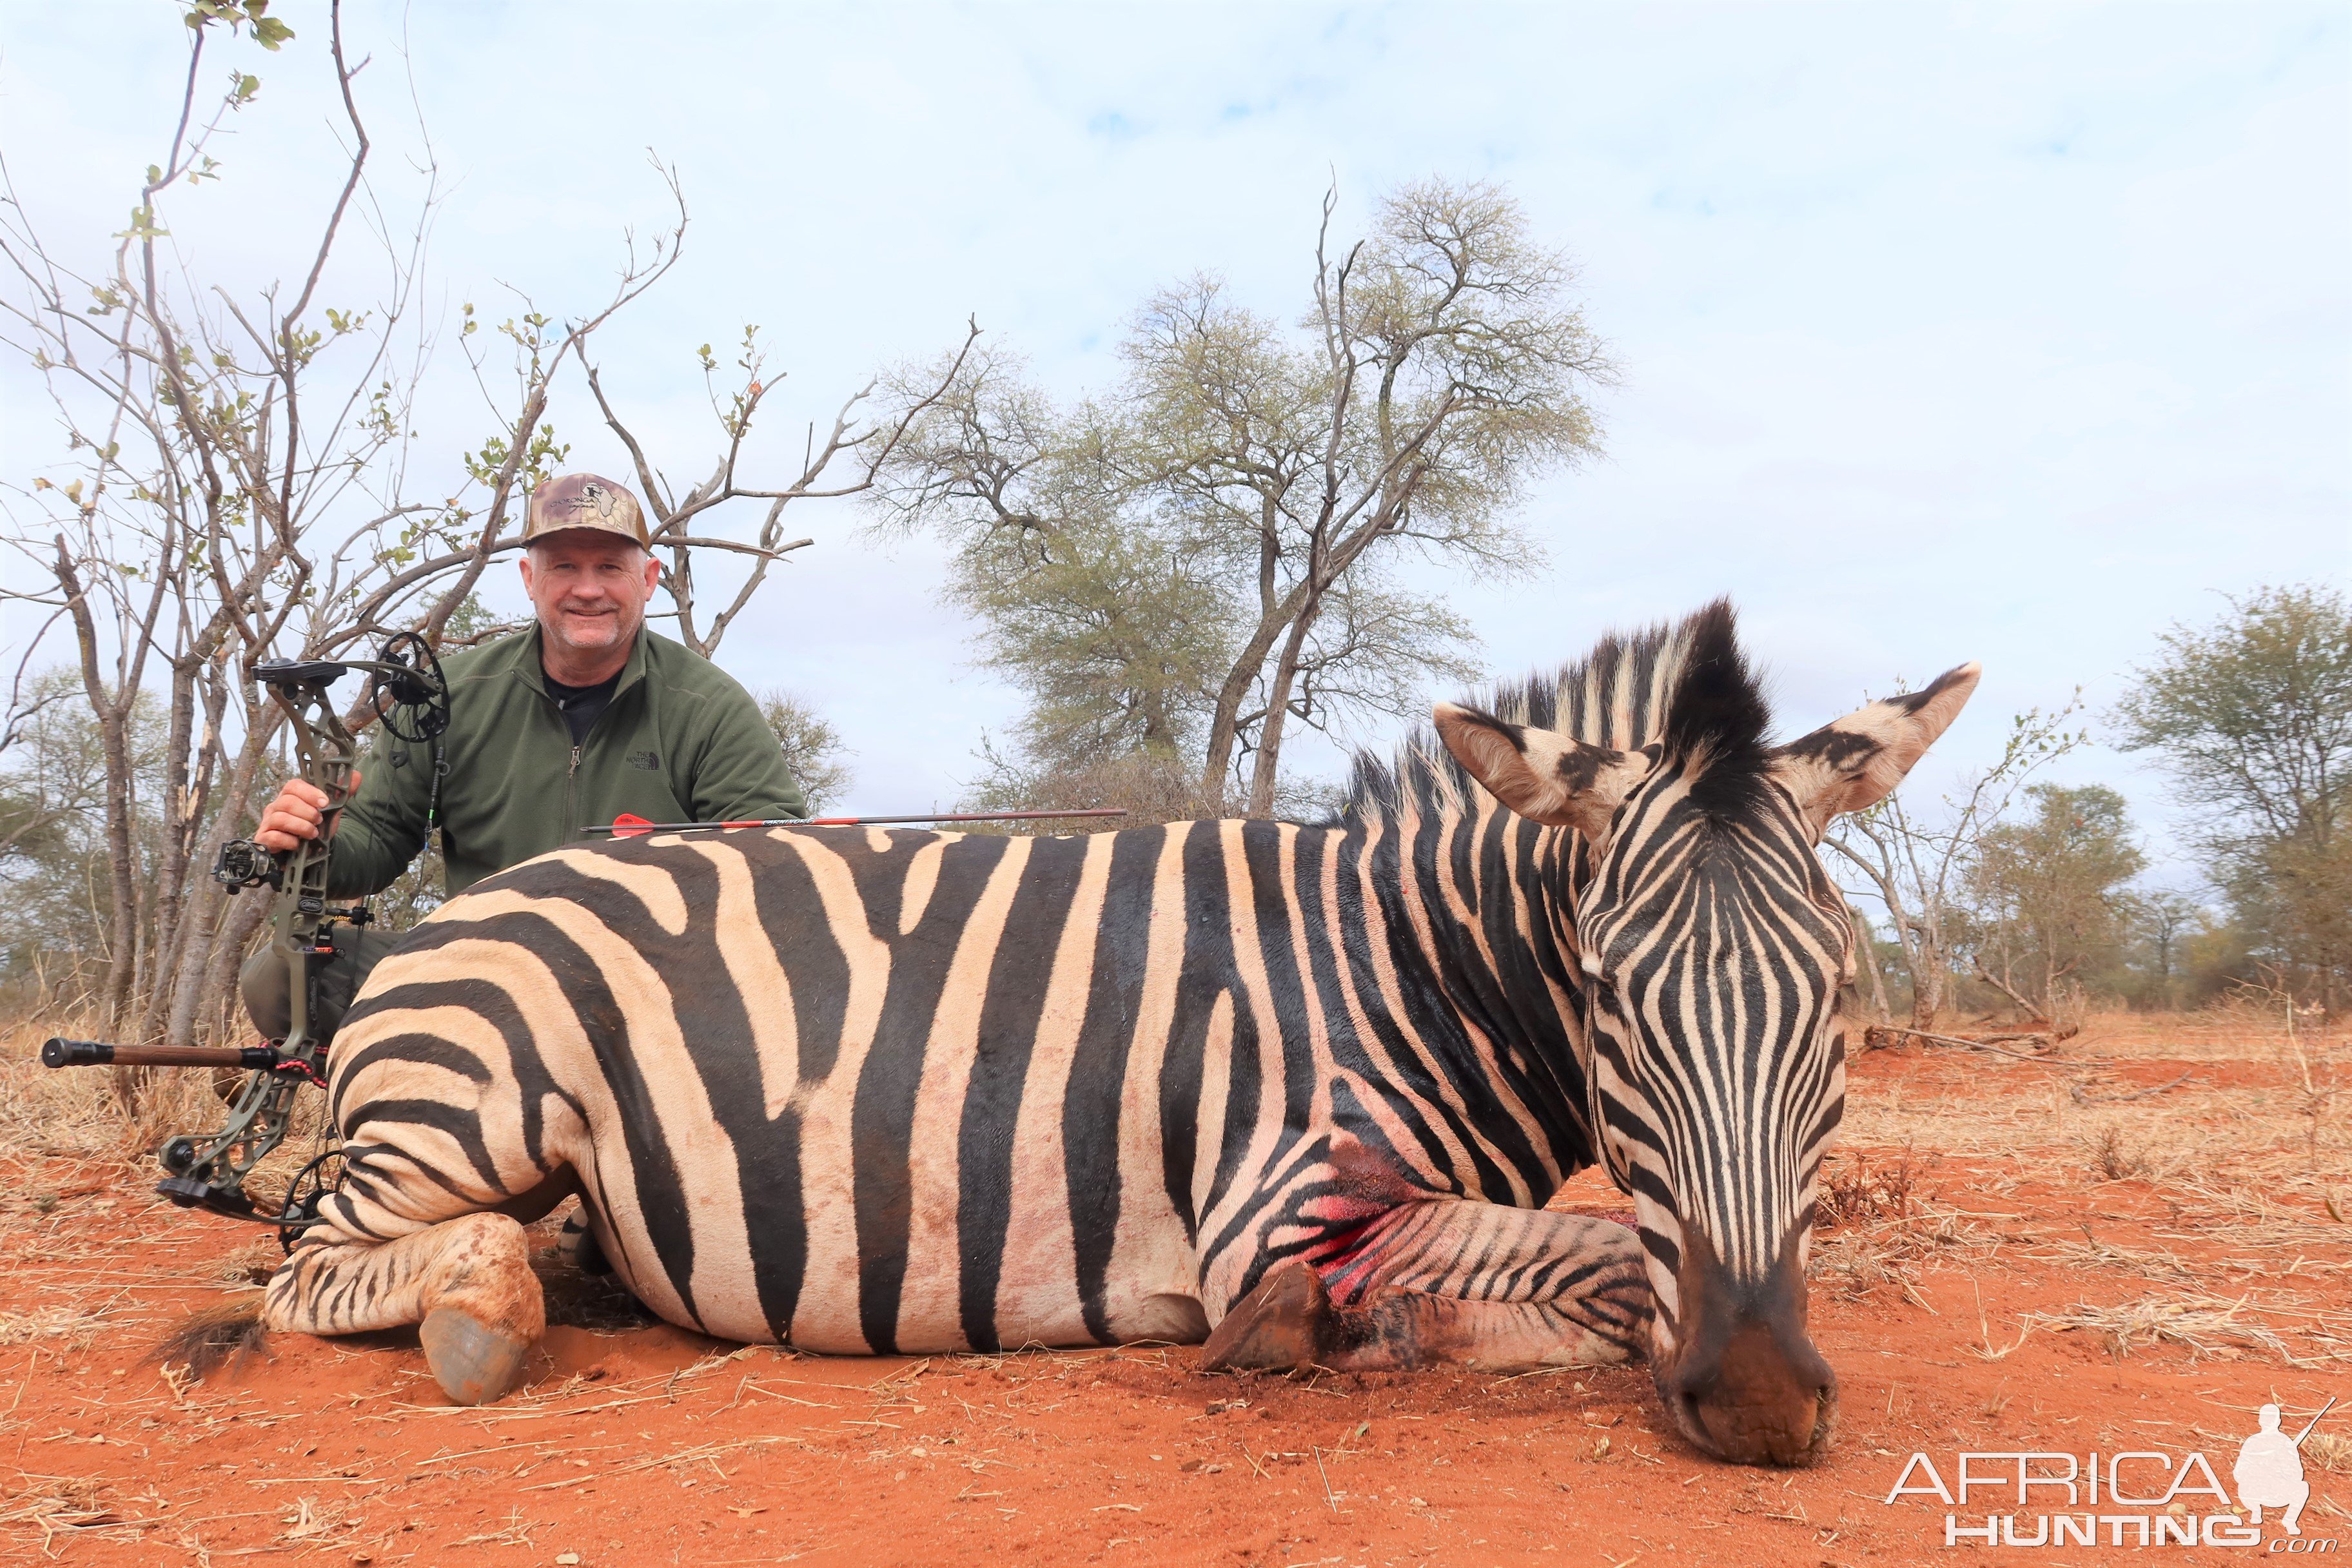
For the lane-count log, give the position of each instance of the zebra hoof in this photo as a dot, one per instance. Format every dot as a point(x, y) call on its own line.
point(474, 1363)
point(1288, 1321)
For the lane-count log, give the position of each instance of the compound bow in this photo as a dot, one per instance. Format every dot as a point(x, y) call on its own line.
point(208, 1171)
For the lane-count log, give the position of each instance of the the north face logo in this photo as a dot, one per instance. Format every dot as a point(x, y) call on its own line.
point(648, 761)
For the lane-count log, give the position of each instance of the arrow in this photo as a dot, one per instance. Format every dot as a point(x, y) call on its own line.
point(629, 825)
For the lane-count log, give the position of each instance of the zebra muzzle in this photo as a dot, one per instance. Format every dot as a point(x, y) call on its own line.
point(1743, 1381)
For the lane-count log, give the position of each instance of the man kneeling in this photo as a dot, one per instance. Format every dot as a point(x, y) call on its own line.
point(586, 715)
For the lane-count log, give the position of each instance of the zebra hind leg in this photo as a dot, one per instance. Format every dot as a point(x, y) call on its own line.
point(466, 1282)
point(577, 1244)
point(1546, 1290)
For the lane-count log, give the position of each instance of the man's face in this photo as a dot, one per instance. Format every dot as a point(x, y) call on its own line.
point(590, 589)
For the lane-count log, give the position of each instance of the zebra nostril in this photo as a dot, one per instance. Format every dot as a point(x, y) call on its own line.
point(1691, 1388)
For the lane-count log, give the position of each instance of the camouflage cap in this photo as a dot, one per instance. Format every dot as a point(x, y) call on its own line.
point(584, 501)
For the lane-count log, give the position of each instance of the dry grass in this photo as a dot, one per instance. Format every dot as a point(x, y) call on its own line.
point(55, 1113)
point(2077, 1256)
point(58, 1505)
point(1868, 1235)
point(2204, 1324)
point(309, 1523)
point(2251, 1158)
point(516, 1532)
point(1854, 1260)
point(67, 1327)
point(79, 1113)
point(2282, 1122)
point(221, 1335)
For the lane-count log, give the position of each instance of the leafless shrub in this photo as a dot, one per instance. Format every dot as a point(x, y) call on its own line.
point(236, 486)
point(2116, 1158)
point(1854, 1192)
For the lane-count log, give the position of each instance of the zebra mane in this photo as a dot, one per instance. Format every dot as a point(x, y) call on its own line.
point(1685, 687)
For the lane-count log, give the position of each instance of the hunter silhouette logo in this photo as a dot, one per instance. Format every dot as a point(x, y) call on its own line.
point(2139, 1499)
point(2269, 1471)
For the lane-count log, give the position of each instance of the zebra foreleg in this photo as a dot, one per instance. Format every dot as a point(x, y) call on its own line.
point(465, 1281)
point(1448, 1283)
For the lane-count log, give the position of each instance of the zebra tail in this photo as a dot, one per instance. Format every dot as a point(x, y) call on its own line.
point(215, 1336)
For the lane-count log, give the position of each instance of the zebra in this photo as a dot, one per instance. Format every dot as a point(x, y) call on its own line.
point(1298, 1091)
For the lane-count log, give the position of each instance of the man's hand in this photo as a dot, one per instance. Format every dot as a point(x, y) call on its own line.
point(294, 814)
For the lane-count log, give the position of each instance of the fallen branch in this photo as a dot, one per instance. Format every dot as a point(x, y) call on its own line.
point(1935, 1038)
point(1990, 978)
point(2006, 1036)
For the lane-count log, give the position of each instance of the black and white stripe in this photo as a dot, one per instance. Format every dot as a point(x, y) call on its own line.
point(866, 1090)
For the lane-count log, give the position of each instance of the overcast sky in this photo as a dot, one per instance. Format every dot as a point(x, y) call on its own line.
point(2000, 333)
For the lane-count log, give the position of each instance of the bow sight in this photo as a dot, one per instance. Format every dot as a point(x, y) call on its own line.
point(407, 693)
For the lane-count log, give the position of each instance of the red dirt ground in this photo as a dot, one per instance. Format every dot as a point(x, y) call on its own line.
point(634, 1443)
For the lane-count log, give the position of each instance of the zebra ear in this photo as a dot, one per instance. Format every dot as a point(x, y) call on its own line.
point(1855, 762)
point(1541, 774)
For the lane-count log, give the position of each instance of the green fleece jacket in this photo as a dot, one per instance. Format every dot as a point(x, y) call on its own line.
point(681, 743)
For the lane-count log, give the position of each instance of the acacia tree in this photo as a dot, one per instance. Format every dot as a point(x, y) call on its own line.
point(2164, 923)
point(1102, 610)
point(2048, 893)
point(2252, 715)
point(1252, 488)
point(40, 790)
point(1448, 371)
point(234, 486)
point(1916, 864)
point(813, 752)
point(54, 864)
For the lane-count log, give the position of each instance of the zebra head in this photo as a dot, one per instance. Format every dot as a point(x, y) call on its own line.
point(1712, 954)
